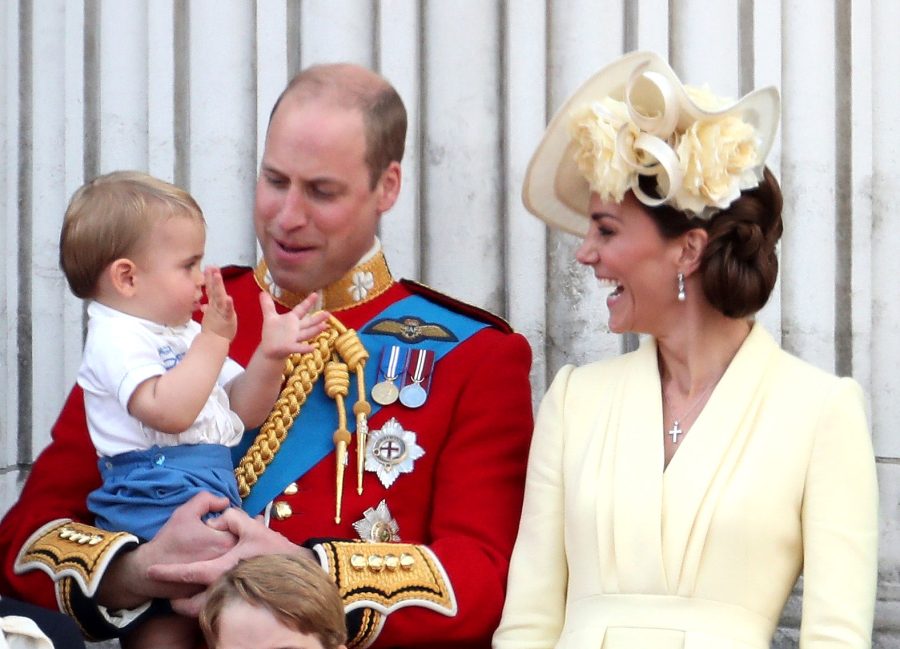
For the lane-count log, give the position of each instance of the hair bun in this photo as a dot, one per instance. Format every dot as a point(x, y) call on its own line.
point(740, 265)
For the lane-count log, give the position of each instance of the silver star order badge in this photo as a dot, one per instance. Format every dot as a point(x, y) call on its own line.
point(392, 451)
point(377, 525)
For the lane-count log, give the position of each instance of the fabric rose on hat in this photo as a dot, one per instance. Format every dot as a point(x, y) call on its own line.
point(595, 129)
point(717, 158)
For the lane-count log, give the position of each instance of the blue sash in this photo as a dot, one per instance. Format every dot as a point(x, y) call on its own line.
point(310, 437)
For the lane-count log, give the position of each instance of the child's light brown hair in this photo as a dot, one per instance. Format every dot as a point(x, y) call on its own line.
point(295, 590)
point(109, 218)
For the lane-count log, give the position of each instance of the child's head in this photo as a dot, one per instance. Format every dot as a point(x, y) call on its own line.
point(268, 601)
point(112, 217)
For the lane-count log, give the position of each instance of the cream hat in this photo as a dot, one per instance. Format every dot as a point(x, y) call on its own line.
point(635, 119)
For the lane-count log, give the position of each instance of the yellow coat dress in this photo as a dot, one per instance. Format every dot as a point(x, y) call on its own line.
point(777, 476)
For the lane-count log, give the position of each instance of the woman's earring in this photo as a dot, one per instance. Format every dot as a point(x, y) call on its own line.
point(682, 296)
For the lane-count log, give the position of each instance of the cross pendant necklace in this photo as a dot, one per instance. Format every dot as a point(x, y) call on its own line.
point(676, 428)
point(675, 431)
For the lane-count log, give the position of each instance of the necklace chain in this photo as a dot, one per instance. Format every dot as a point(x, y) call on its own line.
point(676, 429)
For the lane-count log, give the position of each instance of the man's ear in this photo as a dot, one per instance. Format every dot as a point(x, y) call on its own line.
point(389, 186)
point(693, 245)
point(121, 274)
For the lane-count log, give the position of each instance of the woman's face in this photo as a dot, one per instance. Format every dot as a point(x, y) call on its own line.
point(630, 256)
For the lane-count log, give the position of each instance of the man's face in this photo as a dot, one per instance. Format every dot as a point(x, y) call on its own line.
point(315, 212)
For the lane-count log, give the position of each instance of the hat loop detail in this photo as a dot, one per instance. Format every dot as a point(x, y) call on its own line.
point(664, 119)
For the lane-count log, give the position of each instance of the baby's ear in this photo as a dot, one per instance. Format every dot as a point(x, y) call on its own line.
point(121, 274)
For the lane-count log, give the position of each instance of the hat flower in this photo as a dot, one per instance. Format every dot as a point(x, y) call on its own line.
point(701, 161)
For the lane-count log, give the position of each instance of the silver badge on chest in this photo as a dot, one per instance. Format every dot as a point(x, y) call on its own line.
point(377, 525)
point(391, 451)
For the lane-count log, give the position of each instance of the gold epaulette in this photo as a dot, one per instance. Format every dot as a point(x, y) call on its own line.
point(387, 576)
point(64, 548)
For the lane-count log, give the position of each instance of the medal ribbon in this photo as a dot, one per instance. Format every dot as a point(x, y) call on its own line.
point(418, 374)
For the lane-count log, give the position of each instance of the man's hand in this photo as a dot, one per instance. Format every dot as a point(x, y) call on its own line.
point(253, 539)
point(287, 333)
point(184, 538)
point(219, 316)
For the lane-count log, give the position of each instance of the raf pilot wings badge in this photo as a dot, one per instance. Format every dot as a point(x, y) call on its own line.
point(410, 329)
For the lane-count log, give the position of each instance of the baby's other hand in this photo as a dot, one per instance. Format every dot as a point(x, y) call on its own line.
point(287, 333)
point(219, 316)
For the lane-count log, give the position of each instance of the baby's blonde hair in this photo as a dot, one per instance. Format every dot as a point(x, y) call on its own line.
point(109, 218)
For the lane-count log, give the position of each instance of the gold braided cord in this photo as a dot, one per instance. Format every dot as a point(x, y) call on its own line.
point(353, 352)
point(337, 386)
point(351, 349)
point(301, 373)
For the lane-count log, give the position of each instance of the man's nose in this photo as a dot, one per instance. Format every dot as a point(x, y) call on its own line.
point(294, 210)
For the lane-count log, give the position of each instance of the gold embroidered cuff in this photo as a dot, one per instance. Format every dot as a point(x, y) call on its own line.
point(370, 623)
point(64, 548)
point(387, 576)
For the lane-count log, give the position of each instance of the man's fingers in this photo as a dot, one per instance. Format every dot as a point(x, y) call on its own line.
point(189, 606)
point(204, 503)
point(201, 573)
point(232, 520)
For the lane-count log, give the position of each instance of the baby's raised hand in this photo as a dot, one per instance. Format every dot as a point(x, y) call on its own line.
point(218, 313)
point(287, 333)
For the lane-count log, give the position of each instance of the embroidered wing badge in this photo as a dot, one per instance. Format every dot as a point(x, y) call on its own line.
point(410, 329)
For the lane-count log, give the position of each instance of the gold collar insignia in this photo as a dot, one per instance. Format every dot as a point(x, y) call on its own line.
point(361, 284)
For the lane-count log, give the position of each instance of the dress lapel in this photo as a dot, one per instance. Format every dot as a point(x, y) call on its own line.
point(637, 476)
point(702, 466)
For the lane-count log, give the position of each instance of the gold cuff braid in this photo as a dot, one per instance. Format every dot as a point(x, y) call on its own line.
point(369, 629)
point(64, 548)
point(388, 576)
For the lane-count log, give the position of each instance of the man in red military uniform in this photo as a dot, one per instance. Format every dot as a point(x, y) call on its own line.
point(395, 455)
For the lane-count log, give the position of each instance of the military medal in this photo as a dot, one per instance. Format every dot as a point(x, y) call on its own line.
point(414, 393)
point(392, 451)
point(393, 365)
point(377, 525)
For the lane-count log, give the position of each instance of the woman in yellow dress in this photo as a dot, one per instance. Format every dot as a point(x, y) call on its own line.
point(675, 493)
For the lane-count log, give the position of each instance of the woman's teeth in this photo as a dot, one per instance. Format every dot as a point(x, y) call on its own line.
point(611, 283)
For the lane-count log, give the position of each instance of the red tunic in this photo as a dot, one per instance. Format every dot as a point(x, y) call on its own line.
point(462, 499)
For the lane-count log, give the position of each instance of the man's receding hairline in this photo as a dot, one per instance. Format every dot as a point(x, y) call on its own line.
point(356, 88)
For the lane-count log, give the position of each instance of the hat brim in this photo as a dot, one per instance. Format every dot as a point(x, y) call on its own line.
point(555, 191)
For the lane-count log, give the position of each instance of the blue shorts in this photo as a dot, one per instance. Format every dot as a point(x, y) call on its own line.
point(141, 489)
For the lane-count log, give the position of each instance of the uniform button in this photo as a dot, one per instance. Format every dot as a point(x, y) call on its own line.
point(376, 563)
point(283, 510)
point(357, 562)
point(291, 489)
point(407, 561)
point(391, 562)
